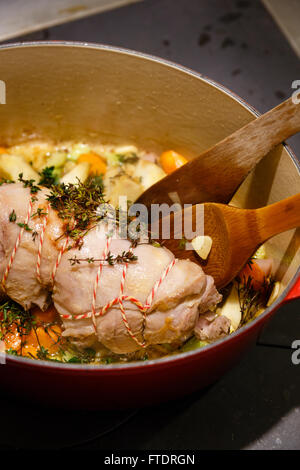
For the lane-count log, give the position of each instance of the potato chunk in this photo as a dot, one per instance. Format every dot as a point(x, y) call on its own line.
point(79, 172)
point(12, 165)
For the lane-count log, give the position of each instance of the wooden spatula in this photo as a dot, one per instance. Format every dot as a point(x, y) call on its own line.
point(217, 173)
point(236, 234)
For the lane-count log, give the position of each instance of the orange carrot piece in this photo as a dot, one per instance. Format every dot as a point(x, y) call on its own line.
point(171, 160)
point(48, 339)
point(40, 336)
point(3, 150)
point(48, 316)
point(255, 273)
point(98, 165)
point(13, 338)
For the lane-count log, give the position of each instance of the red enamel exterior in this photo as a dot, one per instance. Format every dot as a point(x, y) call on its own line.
point(294, 292)
point(126, 387)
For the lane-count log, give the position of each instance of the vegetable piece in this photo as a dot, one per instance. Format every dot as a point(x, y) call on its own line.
point(42, 339)
point(123, 186)
point(56, 159)
point(260, 253)
point(192, 344)
point(34, 153)
point(231, 309)
point(77, 150)
point(171, 160)
point(12, 165)
point(49, 316)
point(121, 155)
point(266, 265)
point(148, 173)
point(125, 150)
point(80, 172)
point(97, 164)
point(48, 176)
point(254, 274)
point(202, 245)
point(13, 338)
point(3, 150)
point(274, 293)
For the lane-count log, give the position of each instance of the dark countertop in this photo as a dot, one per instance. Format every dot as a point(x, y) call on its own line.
point(256, 405)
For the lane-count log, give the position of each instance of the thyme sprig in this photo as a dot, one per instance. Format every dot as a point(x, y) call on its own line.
point(5, 181)
point(40, 212)
point(13, 315)
point(48, 177)
point(252, 300)
point(125, 257)
point(77, 204)
point(29, 184)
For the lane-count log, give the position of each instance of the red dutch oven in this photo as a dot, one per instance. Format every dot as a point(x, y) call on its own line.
point(65, 91)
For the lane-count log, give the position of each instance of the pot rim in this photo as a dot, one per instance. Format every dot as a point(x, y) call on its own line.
point(180, 357)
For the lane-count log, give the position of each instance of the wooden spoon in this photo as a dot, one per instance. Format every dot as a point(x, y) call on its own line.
point(236, 234)
point(217, 173)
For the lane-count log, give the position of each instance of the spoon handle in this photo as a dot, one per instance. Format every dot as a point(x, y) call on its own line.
point(216, 174)
point(235, 156)
point(279, 217)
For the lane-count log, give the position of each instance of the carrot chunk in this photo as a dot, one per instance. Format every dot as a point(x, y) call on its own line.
point(254, 274)
point(48, 316)
point(171, 160)
point(13, 338)
point(97, 164)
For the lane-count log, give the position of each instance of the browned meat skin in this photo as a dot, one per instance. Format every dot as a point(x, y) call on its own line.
point(210, 327)
point(175, 308)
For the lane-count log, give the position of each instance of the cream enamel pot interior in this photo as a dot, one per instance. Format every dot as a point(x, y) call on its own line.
point(78, 90)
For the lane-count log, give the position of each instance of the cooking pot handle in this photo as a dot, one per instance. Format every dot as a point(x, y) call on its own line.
point(294, 292)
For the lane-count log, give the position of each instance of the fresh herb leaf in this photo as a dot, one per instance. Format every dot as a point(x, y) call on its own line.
point(42, 353)
point(12, 351)
point(12, 216)
point(29, 184)
point(24, 226)
point(125, 257)
point(252, 300)
point(34, 235)
point(48, 177)
point(182, 243)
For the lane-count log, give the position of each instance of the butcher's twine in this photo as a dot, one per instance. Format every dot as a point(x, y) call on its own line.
point(93, 314)
point(13, 254)
point(41, 241)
